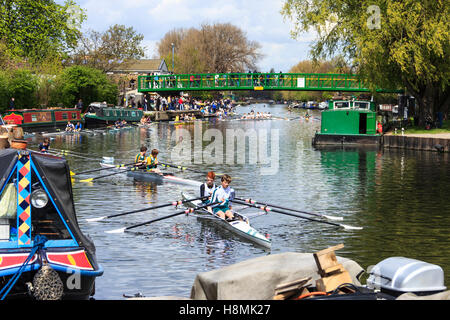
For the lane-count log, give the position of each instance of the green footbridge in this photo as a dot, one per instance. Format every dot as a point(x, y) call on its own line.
point(254, 81)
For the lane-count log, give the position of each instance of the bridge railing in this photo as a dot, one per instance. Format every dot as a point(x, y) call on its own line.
point(251, 81)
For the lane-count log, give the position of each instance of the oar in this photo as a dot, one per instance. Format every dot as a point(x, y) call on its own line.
point(108, 175)
point(184, 168)
point(187, 211)
point(175, 203)
point(289, 209)
point(267, 209)
point(69, 154)
point(96, 170)
point(179, 167)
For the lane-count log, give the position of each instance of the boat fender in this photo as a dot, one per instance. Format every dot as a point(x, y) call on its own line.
point(47, 284)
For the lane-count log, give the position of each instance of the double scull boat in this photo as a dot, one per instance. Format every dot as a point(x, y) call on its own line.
point(240, 226)
point(150, 176)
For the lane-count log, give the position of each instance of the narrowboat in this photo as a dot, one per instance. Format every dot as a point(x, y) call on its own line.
point(43, 253)
point(39, 118)
point(350, 122)
point(100, 115)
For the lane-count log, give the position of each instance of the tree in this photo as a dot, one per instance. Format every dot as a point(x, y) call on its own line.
point(336, 65)
point(81, 82)
point(106, 51)
point(36, 29)
point(393, 44)
point(22, 85)
point(217, 48)
point(4, 92)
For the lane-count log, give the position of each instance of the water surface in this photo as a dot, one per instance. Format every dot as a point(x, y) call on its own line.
point(399, 197)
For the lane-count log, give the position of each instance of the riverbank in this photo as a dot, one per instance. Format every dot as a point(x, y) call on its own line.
point(439, 142)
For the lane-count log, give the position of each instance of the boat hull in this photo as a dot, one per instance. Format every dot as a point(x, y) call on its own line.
point(146, 176)
point(71, 265)
point(345, 139)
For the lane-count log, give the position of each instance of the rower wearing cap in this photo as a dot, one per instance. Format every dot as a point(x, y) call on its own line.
point(207, 188)
point(223, 194)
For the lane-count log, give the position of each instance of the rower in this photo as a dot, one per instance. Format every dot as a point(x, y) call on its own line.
point(44, 145)
point(152, 161)
point(207, 188)
point(70, 127)
point(223, 194)
point(78, 127)
point(141, 159)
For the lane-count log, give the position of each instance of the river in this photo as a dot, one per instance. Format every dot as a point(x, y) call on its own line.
point(399, 197)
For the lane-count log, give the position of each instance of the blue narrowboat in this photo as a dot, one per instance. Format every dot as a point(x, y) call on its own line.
point(43, 253)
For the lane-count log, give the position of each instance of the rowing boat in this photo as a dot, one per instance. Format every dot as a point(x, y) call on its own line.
point(150, 176)
point(240, 226)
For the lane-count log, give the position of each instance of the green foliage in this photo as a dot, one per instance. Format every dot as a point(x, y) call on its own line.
point(80, 82)
point(394, 44)
point(4, 92)
point(108, 50)
point(37, 29)
point(22, 86)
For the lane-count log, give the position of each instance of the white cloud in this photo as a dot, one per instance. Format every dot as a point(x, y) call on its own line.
point(259, 19)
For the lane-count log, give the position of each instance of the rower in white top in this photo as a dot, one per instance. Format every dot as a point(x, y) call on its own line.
point(223, 194)
point(207, 188)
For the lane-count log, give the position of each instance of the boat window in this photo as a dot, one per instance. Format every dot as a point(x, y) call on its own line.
point(74, 115)
point(361, 104)
point(65, 116)
point(133, 114)
point(33, 117)
point(341, 104)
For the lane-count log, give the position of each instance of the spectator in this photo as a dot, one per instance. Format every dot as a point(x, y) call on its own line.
point(80, 105)
point(11, 104)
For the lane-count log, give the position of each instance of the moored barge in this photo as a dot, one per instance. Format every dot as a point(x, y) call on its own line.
point(42, 118)
point(43, 253)
point(349, 122)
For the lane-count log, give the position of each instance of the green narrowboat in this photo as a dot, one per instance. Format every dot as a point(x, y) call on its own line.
point(103, 115)
point(42, 118)
point(348, 122)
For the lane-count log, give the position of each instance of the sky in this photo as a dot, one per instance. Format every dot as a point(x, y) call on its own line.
point(259, 19)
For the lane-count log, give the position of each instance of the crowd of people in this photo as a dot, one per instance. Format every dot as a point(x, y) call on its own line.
point(159, 103)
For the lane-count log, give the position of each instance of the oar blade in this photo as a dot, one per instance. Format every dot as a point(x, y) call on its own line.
point(347, 227)
point(96, 219)
point(87, 180)
point(121, 230)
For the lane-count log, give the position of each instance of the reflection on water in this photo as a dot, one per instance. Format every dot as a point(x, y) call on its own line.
point(399, 197)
